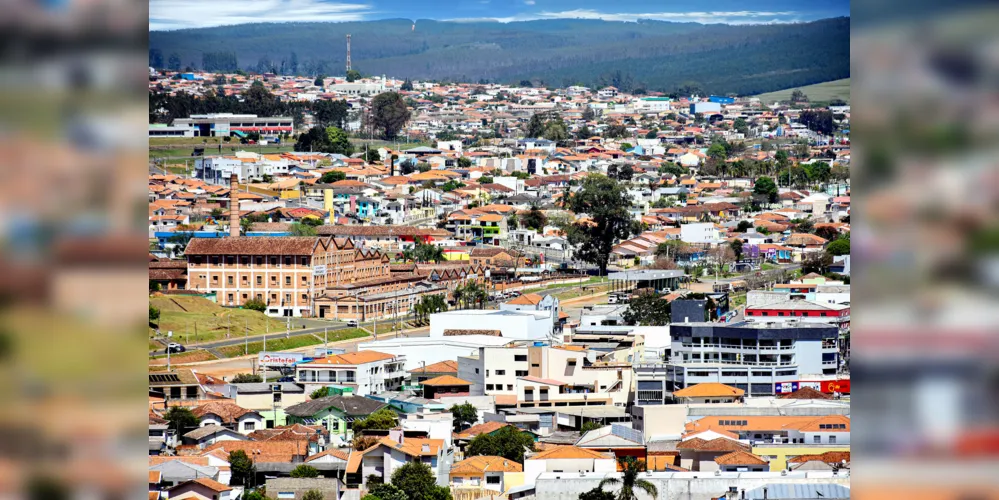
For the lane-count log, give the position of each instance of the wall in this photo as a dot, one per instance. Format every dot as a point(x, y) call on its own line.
point(524, 326)
point(778, 455)
point(328, 486)
point(419, 350)
point(688, 486)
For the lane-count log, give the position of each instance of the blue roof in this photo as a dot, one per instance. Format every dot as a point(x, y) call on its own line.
point(799, 491)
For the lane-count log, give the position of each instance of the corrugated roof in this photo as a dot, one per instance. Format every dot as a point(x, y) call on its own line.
point(709, 389)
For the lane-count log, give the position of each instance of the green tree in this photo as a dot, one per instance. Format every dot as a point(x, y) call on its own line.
point(299, 229)
point(407, 85)
point(424, 252)
point(744, 225)
point(589, 426)
point(320, 80)
point(607, 205)
point(464, 415)
point(330, 113)
point(839, 247)
point(154, 315)
point(386, 491)
point(536, 126)
point(486, 179)
point(241, 468)
point(596, 494)
point(765, 186)
point(180, 419)
point(372, 156)
point(736, 246)
point(418, 481)
point(312, 495)
point(534, 219)
point(304, 470)
point(798, 96)
point(337, 142)
point(630, 483)
point(332, 176)
point(647, 309)
point(353, 75)
point(464, 162)
point(508, 442)
point(389, 114)
point(718, 152)
point(673, 169)
point(246, 378)
point(380, 420)
point(255, 495)
point(255, 304)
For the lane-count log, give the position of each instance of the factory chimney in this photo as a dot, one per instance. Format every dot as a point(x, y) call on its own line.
point(234, 206)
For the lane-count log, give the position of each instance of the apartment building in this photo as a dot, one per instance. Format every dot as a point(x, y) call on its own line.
point(802, 311)
point(752, 356)
point(543, 376)
point(366, 372)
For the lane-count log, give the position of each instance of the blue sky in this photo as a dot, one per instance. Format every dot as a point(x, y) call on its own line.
point(175, 14)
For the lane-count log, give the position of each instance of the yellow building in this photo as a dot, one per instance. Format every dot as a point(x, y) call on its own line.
point(779, 454)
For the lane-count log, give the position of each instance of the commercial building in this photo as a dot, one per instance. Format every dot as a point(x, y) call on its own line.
point(226, 124)
point(752, 356)
point(513, 325)
point(365, 372)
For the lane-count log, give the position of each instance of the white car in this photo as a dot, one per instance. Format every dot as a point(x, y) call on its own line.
point(352, 323)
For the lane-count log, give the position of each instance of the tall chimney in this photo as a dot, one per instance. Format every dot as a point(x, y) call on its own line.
point(234, 206)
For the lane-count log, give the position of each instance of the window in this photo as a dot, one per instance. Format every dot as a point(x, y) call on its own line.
point(287, 280)
point(489, 387)
point(305, 261)
point(509, 387)
point(500, 372)
point(476, 370)
point(248, 426)
point(228, 280)
point(287, 261)
point(520, 357)
point(521, 373)
point(287, 298)
point(832, 439)
point(277, 397)
point(260, 280)
point(492, 479)
point(535, 365)
point(816, 439)
point(259, 260)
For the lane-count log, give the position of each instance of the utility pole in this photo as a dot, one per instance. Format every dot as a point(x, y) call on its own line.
point(246, 339)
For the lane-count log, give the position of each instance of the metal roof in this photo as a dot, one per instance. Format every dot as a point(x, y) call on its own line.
point(816, 491)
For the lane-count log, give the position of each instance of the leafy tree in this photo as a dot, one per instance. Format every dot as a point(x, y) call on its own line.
point(820, 121)
point(241, 468)
point(330, 113)
point(589, 426)
point(380, 420)
point(652, 134)
point(839, 247)
point(372, 156)
point(464, 162)
point(647, 309)
point(816, 262)
point(828, 233)
point(464, 415)
point(736, 246)
point(353, 75)
point(407, 85)
point(740, 125)
point(508, 442)
point(673, 169)
point(486, 179)
point(312, 494)
point(418, 481)
point(423, 166)
point(304, 470)
point(255, 304)
point(424, 252)
point(299, 229)
point(526, 83)
point(589, 115)
point(607, 205)
point(629, 481)
point(255, 495)
point(536, 126)
point(534, 219)
point(744, 225)
point(246, 378)
point(596, 494)
point(718, 152)
point(154, 315)
point(389, 114)
point(798, 96)
point(765, 186)
point(337, 142)
point(616, 131)
point(321, 392)
point(386, 491)
point(180, 419)
point(332, 176)
point(319, 80)
point(451, 185)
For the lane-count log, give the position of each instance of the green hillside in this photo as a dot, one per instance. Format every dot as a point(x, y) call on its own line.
point(654, 55)
point(820, 92)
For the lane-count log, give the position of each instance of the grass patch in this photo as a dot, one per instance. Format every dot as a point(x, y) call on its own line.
point(737, 300)
point(195, 319)
point(579, 292)
point(819, 92)
point(282, 344)
point(183, 357)
point(766, 266)
point(389, 327)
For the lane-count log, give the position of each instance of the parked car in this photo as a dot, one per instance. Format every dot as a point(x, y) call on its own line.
point(352, 323)
point(174, 347)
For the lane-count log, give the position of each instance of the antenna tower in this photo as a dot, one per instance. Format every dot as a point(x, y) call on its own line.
point(348, 52)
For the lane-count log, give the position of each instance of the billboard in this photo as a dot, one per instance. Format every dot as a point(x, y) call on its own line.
point(824, 386)
point(279, 358)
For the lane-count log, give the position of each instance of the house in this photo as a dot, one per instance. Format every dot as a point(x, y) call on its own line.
point(444, 386)
point(466, 436)
point(228, 415)
point(295, 488)
point(427, 372)
point(179, 385)
point(709, 392)
point(567, 459)
point(392, 452)
point(210, 434)
point(366, 372)
point(335, 413)
point(534, 302)
point(176, 470)
point(200, 489)
point(496, 474)
point(617, 439)
point(740, 461)
point(698, 452)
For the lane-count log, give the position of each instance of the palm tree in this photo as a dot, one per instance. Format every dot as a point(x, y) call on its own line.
point(630, 469)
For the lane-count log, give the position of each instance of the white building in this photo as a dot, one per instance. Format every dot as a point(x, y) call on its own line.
point(424, 351)
point(367, 372)
point(511, 325)
point(699, 233)
point(569, 460)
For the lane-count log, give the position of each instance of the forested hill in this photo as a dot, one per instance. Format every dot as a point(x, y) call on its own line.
point(747, 59)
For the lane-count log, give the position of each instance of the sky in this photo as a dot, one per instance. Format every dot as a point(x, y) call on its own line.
point(178, 14)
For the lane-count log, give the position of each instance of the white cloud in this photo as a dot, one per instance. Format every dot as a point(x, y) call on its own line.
point(732, 17)
point(529, 2)
point(178, 14)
